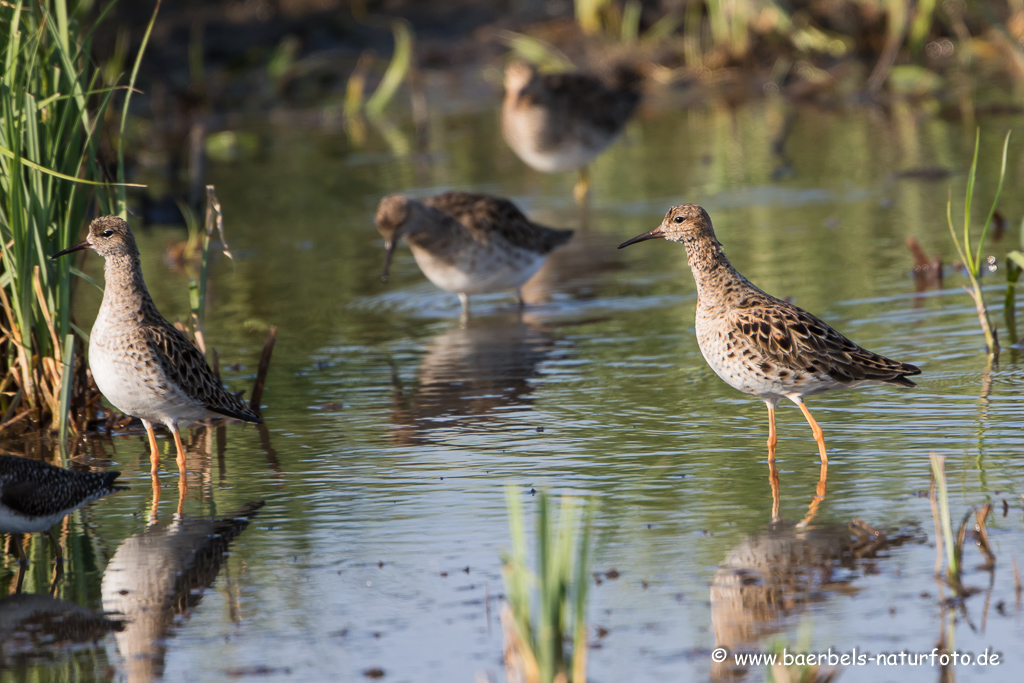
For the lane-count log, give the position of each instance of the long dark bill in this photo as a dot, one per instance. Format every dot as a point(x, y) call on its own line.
point(77, 247)
point(389, 252)
point(653, 234)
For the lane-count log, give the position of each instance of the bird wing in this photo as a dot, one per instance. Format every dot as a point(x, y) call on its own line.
point(481, 214)
point(186, 367)
point(30, 497)
point(54, 490)
point(793, 339)
point(605, 108)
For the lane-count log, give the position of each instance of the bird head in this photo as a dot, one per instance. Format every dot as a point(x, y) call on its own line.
point(392, 219)
point(683, 223)
point(108, 236)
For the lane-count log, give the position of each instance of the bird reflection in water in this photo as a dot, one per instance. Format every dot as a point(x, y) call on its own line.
point(772, 576)
point(471, 372)
point(34, 626)
point(160, 573)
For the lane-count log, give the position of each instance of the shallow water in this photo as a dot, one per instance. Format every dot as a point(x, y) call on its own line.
point(392, 428)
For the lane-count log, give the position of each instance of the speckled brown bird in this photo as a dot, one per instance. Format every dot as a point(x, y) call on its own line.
point(561, 122)
point(467, 243)
point(761, 345)
point(144, 365)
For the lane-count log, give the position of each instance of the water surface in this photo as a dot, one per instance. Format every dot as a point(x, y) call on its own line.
point(392, 428)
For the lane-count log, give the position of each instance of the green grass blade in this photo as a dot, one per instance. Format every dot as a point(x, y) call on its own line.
point(631, 21)
point(12, 154)
point(67, 381)
point(972, 265)
point(938, 464)
point(995, 199)
point(397, 69)
point(543, 55)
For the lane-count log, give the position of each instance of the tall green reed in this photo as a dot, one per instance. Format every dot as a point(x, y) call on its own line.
point(971, 255)
point(53, 101)
point(546, 609)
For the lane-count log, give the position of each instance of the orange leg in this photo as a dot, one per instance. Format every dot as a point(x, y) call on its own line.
point(773, 439)
point(154, 452)
point(156, 498)
point(182, 492)
point(818, 435)
point(181, 449)
point(773, 477)
point(819, 495)
point(182, 481)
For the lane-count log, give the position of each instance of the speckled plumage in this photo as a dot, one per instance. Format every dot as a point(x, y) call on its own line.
point(35, 495)
point(762, 345)
point(144, 365)
point(561, 122)
point(467, 243)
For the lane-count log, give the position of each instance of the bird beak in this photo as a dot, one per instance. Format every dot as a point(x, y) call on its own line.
point(653, 234)
point(389, 252)
point(77, 247)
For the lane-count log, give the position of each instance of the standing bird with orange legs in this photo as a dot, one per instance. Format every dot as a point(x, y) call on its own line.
point(144, 365)
point(561, 122)
point(761, 345)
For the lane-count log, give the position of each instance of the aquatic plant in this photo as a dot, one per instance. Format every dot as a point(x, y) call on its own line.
point(535, 639)
point(971, 255)
point(782, 672)
point(197, 248)
point(52, 103)
point(543, 55)
point(397, 71)
point(945, 542)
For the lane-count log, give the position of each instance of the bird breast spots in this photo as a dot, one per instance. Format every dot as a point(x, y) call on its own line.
point(746, 328)
point(783, 374)
point(767, 367)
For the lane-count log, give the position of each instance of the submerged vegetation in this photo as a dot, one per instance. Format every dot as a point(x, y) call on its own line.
point(53, 105)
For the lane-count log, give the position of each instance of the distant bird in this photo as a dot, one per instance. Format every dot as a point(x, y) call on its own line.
point(35, 495)
point(144, 365)
point(761, 345)
point(561, 122)
point(467, 243)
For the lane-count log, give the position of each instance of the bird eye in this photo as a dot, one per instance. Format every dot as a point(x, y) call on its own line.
point(678, 219)
point(107, 233)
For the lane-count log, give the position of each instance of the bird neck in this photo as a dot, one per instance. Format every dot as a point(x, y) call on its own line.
point(125, 296)
point(715, 276)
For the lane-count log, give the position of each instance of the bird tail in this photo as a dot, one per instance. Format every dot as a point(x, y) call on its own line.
point(108, 482)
